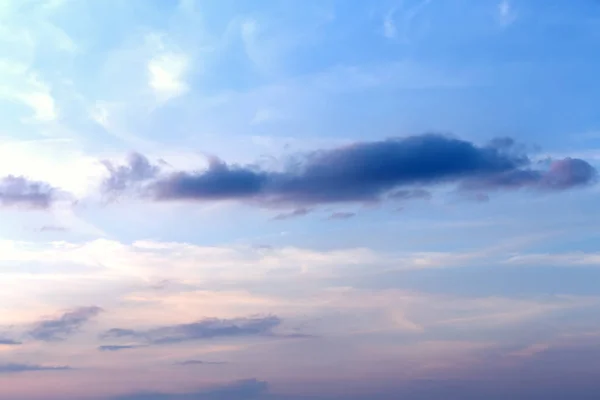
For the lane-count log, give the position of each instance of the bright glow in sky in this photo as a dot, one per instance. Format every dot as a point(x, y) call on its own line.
point(286, 200)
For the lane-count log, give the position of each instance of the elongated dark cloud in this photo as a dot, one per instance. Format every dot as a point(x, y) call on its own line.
point(117, 347)
point(362, 172)
point(15, 368)
point(9, 342)
point(17, 191)
point(205, 329)
point(61, 327)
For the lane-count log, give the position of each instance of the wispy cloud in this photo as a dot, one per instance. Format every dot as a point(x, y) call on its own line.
point(398, 22)
point(17, 368)
point(201, 330)
point(49, 330)
point(167, 75)
point(199, 362)
point(112, 348)
point(389, 25)
point(53, 228)
point(341, 215)
point(506, 13)
point(299, 212)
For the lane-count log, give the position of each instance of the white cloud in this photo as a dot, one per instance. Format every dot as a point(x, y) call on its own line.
point(506, 13)
point(19, 84)
point(556, 259)
point(390, 30)
point(39, 99)
point(398, 22)
point(167, 74)
point(26, 35)
point(58, 162)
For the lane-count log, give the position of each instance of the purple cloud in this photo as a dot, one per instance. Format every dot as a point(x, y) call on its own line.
point(362, 172)
point(15, 368)
point(59, 328)
point(205, 329)
point(17, 191)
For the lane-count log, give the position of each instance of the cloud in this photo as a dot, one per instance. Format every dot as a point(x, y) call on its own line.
point(389, 26)
point(404, 194)
point(53, 228)
point(17, 191)
point(166, 75)
point(561, 175)
point(506, 13)
point(361, 172)
point(199, 362)
point(117, 347)
point(25, 87)
point(138, 169)
point(9, 342)
point(15, 368)
point(403, 18)
point(299, 212)
point(58, 329)
point(205, 329)
point(341, 215)
point(247, 389)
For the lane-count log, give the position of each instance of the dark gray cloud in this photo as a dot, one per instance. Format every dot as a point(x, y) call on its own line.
point(17, 191)
point(15, 368)
point(244, 390)
point(205, 329)
point(59, 328)
point(362, 172)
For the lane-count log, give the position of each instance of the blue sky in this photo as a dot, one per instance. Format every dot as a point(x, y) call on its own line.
point(285, 200)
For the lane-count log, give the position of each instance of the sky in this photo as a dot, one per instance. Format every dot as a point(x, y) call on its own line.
point(293, 200)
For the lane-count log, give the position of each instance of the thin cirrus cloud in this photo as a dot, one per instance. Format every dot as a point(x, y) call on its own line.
point(18, 191)
point(362, 172)
point(16, 368)
point(57, 329)
point(112, 348)
point(340, 215)
point(298, 212)
point(199, 362)
point(205, 329)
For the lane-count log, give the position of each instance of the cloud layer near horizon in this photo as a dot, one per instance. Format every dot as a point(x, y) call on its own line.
point(362, 172)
